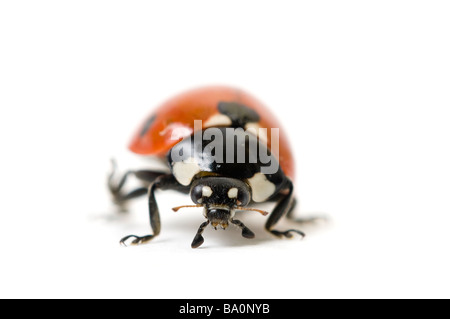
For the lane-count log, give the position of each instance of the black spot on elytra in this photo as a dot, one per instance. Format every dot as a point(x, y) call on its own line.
point(147, 125)
point(239, 114)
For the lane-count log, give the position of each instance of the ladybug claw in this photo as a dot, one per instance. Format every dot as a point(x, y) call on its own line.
point(287, 233)
point(123, 240)
point(137, 241)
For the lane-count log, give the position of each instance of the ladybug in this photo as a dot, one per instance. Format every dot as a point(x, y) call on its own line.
point(225, 149)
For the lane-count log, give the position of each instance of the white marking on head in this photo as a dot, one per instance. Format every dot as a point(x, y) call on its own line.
point(233, 193)
point(185, 171)
point(218, 120)
point(207, 191)
point(262, 188)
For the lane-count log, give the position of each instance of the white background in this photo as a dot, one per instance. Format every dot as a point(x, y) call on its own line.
point(362, 87)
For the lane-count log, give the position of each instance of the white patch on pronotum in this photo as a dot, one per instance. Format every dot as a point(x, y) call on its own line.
point(218, 120)
point(262, 188)
point(184, 171)
point(233, 193)
point(206, 191)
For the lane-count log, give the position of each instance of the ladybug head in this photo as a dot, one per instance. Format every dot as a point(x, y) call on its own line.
point(220, 192)
point(221, 197)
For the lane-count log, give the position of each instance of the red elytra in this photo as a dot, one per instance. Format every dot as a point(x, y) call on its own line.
point(154, 136)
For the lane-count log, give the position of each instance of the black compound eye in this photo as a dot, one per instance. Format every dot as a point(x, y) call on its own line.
point(197, 194)
point(244, 198)
point(200, 192)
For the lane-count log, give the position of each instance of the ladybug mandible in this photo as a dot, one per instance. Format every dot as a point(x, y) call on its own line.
point(218, 143)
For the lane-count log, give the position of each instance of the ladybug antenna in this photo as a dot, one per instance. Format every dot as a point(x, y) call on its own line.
point(175, 209)
point(262, 212)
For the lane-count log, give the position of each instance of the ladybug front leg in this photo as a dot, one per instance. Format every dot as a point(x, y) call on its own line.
point(198, 239)
point(163, 182)
point(246, 232)
point(283, 208)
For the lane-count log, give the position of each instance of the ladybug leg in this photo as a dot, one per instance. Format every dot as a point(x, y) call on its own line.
point(246, 232)
point(290, 214)
point(163, 182)
point(198, 239)
point(283, 208)
point(116, 189)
